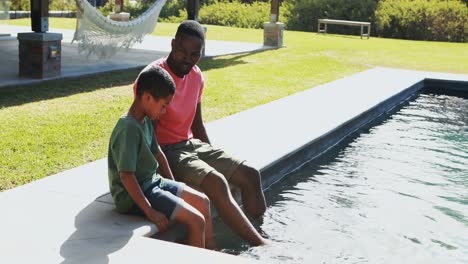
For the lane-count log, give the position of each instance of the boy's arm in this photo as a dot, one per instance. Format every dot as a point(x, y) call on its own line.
point(198, 128)
point(164, 168)
point(133, 188)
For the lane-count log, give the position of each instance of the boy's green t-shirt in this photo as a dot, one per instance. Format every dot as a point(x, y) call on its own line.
point(132, 148)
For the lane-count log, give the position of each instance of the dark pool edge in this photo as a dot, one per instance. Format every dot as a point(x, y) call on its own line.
point(449, 87)
point(280, 168)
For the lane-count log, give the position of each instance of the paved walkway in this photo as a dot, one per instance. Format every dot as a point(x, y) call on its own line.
point(64, 218)
point(76, 64)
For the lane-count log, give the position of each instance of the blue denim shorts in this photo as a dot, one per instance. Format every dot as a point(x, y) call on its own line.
point(164, 196)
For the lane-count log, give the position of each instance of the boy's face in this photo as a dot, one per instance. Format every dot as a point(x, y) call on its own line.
point(186, 52)
point(156, 106)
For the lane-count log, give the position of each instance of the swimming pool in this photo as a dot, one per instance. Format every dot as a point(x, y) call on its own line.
point(396, 193)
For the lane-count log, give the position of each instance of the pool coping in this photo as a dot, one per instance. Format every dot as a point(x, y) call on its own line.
point(79, 225)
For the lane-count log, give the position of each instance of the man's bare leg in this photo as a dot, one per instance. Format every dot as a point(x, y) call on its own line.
point(215, 186)
point(249, 181)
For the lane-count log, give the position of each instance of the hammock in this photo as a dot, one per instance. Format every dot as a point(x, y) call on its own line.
point(4, 8)
point(99, 35)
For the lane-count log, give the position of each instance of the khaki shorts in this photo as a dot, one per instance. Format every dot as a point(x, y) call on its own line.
point(192, 160)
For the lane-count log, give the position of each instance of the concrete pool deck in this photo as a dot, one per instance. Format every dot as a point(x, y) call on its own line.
point(64, 218)
point(75, 64)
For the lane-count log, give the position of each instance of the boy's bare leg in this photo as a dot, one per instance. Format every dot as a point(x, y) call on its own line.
point(216, 187)
point(201, 202)
point(195, 222)
point(249, 181)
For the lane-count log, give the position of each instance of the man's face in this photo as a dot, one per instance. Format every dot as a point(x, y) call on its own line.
point(156, 106)
point(186, 52)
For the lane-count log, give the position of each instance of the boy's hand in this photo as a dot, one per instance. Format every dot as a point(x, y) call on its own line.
point(158, 218)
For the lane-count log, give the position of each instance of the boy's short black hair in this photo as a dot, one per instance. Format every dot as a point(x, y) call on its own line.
point(191, 28)
point(156, 81)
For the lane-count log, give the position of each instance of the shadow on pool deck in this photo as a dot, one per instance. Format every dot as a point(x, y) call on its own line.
point(79, 245)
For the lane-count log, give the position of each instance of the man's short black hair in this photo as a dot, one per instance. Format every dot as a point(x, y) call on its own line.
point(191, 28)
point(156, 81)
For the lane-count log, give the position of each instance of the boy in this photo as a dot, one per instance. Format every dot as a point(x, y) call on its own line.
point(133, 160)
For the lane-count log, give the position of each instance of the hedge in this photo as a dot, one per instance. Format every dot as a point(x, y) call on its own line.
point(443, 20)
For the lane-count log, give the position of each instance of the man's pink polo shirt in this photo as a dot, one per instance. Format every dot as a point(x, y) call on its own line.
point(175, 125)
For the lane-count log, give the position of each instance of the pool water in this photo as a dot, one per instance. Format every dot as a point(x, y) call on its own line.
point(397, 193)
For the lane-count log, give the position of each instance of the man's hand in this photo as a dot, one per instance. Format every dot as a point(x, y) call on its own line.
point(158, 218)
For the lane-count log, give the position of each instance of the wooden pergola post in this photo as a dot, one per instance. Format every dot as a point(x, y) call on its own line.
point(274, 11)
point(40, 16)
point(192, 9)
point(193, 6)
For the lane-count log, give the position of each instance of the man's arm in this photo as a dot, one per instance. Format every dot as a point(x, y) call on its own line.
point(198, 128)
point(164, 168)
point(133, 188)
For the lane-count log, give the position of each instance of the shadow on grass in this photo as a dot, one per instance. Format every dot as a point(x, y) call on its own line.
point(222, 62)
point(18, 95)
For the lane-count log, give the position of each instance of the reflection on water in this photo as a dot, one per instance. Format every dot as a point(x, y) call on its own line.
point(397, 194)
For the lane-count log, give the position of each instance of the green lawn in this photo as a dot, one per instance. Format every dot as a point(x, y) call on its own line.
point(62, 124)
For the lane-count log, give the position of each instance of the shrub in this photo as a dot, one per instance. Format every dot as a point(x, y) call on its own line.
point(107, 8)
point(235, 14)
point(172, 8)
point(20, 5)
point(445, 20)
point(304, 14)
point(62, 5)
point(181, 16)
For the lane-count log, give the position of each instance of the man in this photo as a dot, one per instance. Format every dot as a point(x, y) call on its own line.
point(183, 138)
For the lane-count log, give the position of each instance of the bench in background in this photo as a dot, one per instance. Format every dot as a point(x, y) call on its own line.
point(346, 23)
